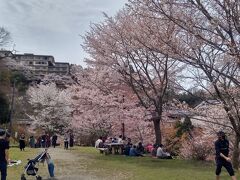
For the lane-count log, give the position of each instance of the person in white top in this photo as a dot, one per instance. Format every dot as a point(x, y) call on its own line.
point(161, 154)
point(98, 142)
point(120, 140)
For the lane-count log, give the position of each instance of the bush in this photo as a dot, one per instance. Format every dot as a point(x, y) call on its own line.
point(197, 148)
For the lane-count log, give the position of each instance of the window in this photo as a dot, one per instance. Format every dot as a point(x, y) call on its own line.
point(30, 63)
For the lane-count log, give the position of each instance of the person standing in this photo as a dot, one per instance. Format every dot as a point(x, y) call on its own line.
point(4, 154)
point(22, 142)
point(99, 141)
point(71, 140)
point(32, 142)
point(43, 140)
point(48, 140)
point(54, 140)
point(66, 141)
point(222, 159)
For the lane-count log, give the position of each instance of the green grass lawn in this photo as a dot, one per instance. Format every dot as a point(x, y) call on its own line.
point(147, 168)
point(121, 167)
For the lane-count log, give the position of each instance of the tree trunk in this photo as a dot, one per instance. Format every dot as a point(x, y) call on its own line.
point(236, 152)
point(157, 130)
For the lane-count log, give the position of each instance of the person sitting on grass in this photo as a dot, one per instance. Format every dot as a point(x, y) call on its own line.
point(140, 148)
point(149, 148)
point(133, 151)
point(154, 151)
point(161, 154)
point(115, 140)
point(127, 148)
point(108, 140)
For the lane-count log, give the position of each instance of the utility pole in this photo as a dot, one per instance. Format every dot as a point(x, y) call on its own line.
point(12, 109)
point(123, 125)
point(123, 130)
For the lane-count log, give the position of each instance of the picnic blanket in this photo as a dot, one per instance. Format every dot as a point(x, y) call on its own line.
point(14, 163)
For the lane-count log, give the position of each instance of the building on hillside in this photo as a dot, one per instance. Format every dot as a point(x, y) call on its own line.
point(203, 114)
point(43, 64)
point(211, 116)
point(39, 64)
point(5, 53)
point(206, 104)
point(170, 117)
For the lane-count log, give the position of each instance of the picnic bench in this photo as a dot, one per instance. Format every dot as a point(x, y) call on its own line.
point(104, 151)
point(112, 148)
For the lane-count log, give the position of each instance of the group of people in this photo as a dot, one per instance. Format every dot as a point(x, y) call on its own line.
point(130, 149)
point(102, 142)
point(126, 146)
point(43, 141)
point(158, 151)
point(134, 150)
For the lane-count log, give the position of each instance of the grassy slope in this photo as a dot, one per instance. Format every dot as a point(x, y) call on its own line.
point(121, 167)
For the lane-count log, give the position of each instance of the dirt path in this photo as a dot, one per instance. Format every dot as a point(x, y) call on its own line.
point(70, 166)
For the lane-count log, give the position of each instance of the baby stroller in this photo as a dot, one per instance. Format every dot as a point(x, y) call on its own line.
point(31, 169)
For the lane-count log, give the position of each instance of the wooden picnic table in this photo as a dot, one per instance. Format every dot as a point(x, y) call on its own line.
point(117, 148)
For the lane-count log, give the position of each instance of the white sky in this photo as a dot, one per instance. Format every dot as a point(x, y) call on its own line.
point(53, 27)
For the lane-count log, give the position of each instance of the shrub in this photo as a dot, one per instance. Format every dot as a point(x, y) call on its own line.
point(197, 148)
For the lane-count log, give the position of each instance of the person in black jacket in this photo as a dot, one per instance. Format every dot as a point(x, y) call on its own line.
point(54, 140)
point(4, 157)
point(71, 140)
point(22, 142)
point(222, 159)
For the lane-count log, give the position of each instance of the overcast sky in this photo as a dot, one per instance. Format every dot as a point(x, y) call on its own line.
point(52, 27)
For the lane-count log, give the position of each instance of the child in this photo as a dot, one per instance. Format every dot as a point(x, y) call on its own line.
point(50, 165)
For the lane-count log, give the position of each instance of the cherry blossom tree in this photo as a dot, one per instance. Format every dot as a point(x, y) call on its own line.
point(103, 104)
point(4, 37)
point(52, 107)
point(122, 43)
point(216, 23)
point(206, 40)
